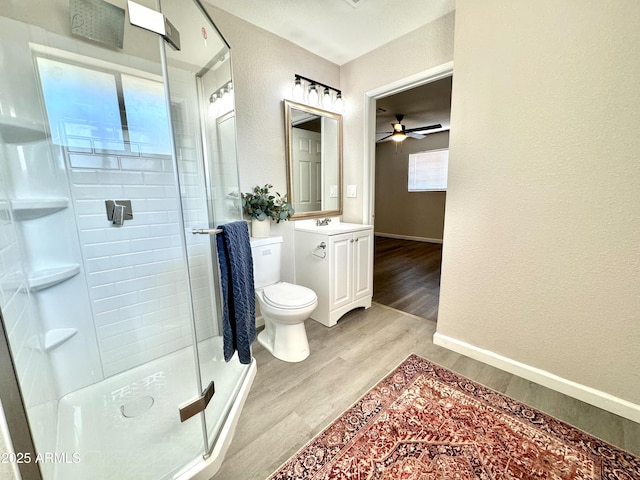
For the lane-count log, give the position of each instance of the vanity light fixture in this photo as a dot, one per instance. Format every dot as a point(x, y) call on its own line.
point(330, 100)
point(220, 101)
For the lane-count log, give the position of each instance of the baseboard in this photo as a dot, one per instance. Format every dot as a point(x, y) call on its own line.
point(581, 392)
point(408, 237)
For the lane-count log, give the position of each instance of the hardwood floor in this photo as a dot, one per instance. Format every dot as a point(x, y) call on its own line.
point(406, 276)
point(289, 403)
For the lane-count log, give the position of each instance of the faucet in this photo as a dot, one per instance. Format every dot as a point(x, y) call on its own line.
point(322, 223)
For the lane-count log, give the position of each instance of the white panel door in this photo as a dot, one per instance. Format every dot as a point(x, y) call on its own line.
point(307, 170)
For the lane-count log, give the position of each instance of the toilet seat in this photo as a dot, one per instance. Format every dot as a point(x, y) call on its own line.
point(288, 296)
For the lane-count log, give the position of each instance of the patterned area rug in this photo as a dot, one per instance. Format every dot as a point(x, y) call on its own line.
point(424, 422)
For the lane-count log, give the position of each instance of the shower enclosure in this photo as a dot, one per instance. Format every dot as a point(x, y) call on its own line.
point(115, 143)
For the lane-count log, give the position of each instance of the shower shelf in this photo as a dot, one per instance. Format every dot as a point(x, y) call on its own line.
point(41, 279)
point(15, 131)
point(56, 337)
point(30, 208)
point(51, 339)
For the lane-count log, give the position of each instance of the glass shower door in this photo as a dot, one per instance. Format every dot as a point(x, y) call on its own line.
point(203, 118)
point(104, 292)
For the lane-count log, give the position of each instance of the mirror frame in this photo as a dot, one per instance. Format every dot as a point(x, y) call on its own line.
point(288, 105)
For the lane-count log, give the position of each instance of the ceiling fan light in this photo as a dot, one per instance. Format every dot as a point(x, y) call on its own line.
point(398, 136)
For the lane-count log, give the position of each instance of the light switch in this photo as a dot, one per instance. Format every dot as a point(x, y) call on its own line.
point(352, 191)
point(333, 191)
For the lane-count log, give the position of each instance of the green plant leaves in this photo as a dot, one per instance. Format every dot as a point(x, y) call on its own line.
point(261, 204)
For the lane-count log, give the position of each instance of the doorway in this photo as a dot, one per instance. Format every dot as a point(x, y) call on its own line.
point(408, 221)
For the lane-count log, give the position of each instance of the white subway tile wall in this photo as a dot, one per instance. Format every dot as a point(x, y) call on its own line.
point(135, 272)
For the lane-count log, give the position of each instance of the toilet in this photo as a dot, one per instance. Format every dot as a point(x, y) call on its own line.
point(284, 306)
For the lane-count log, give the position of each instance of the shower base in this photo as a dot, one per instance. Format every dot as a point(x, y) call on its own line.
point(128, 425)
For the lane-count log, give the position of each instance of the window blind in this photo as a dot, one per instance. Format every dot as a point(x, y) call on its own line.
point(428, 170)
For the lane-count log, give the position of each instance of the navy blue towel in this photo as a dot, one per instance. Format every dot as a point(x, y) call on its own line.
point(238, 293)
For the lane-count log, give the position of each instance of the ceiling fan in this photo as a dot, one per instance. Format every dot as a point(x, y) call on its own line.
point(400, 133)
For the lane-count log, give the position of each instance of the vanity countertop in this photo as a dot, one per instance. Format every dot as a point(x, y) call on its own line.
point(334, 228)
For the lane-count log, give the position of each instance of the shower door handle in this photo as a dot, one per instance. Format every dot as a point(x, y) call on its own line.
point(198, 404)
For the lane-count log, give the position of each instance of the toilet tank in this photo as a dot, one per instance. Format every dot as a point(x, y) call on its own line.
point(267, 254)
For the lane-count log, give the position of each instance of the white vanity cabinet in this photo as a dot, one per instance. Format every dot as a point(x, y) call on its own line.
point(341, 272)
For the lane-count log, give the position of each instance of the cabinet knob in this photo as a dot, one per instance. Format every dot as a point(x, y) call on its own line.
point(357, 239)
point(351, 241)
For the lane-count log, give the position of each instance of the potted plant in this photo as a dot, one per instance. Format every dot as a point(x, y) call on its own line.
point(262, 206)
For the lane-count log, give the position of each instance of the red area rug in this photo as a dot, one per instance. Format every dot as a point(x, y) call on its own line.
point(424, 422)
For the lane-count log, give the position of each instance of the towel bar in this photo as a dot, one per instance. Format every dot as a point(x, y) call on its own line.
point(322, 247)
point(206, 231)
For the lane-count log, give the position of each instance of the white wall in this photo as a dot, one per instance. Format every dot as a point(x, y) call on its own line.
point(412, 54)
point(541, 268)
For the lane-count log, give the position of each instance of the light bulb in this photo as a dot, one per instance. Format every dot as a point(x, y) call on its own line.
point(338, 105)
point(313, 95)
point(212, 105)
point(326, 98)
point(398, 136)
point(298, 91)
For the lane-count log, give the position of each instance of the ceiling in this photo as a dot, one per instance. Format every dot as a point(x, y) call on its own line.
point(428, 104)
point(336, 29)
point(340, 32)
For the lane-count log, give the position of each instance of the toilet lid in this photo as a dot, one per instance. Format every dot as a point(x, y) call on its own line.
point(287, 295)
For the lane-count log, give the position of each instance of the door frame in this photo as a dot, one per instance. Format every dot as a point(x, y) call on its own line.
point(427, 76)
point(15, 413)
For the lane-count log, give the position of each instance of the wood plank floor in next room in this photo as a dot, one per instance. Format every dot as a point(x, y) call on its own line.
point(406, 276)
point(290, 403)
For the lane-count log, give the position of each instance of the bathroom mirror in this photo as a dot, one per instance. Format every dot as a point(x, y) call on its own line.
point(314, 160)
